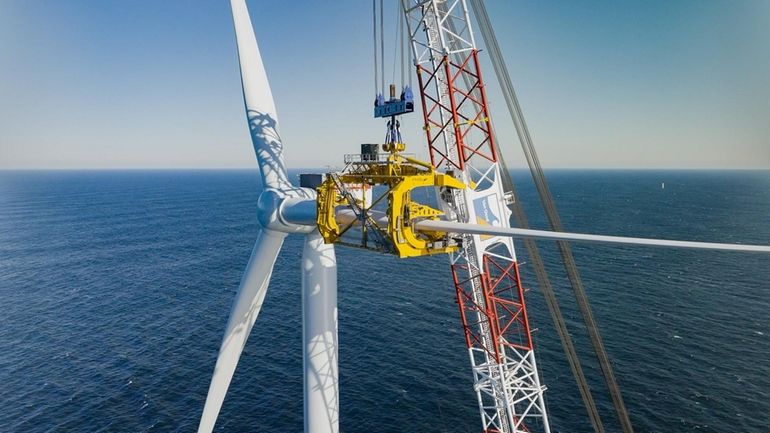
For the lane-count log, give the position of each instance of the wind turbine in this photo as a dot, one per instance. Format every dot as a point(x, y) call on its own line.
point(284, 209)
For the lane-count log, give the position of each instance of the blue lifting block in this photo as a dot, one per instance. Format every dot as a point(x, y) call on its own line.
point(394, 107)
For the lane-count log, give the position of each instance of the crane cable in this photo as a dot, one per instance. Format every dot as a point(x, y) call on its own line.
point(382, 47)
point(553, 305)
point(379, 55)
point(396, 48)
point(402, 47)
point(374, 45)
point(554, 309)
point(550, 209)
point(406, 41)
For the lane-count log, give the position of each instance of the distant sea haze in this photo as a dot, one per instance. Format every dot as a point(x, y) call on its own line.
point(115, 288)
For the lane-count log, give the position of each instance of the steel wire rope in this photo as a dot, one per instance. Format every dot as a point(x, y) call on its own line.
point(396, 48)
point(374, 45)
point(408, 47)
point(382, 47)
point(546, 199)
point(402, 31)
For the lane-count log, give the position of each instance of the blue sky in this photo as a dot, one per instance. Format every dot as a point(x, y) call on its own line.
point(645, 84)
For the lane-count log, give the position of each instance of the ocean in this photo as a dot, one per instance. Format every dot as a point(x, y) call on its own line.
point(115, 288)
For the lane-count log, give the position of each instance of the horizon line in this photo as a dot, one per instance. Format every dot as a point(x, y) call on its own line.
point(329, 168)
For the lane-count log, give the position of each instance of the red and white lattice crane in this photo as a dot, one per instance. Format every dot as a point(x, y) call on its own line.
point(485, 271)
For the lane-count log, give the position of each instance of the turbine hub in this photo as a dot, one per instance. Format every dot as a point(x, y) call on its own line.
point(289, 211)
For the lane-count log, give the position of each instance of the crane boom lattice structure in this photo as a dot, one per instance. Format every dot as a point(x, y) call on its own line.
point(485, 270)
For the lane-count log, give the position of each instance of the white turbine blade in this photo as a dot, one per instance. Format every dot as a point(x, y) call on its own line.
point(478, 229)
point(244, 312)
point(319, 335)
point(260, 107)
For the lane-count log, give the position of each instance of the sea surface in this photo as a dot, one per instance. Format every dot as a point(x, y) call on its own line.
point(115, 288)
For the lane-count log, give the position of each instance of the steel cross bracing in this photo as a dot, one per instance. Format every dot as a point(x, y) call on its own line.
point(485, 271)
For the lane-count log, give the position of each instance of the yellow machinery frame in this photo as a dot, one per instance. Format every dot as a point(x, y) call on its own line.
point(400, 174)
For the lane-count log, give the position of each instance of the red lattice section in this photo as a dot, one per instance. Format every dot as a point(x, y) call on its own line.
point(502, 308)
point(464, 112)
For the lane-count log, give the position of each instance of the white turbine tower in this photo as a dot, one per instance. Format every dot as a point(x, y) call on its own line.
point(284, 209)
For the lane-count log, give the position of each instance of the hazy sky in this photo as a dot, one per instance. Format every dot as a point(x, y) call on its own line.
point(147, 83)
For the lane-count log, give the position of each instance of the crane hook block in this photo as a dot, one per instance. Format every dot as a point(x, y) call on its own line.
point(394, 106)
point(371, 204)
